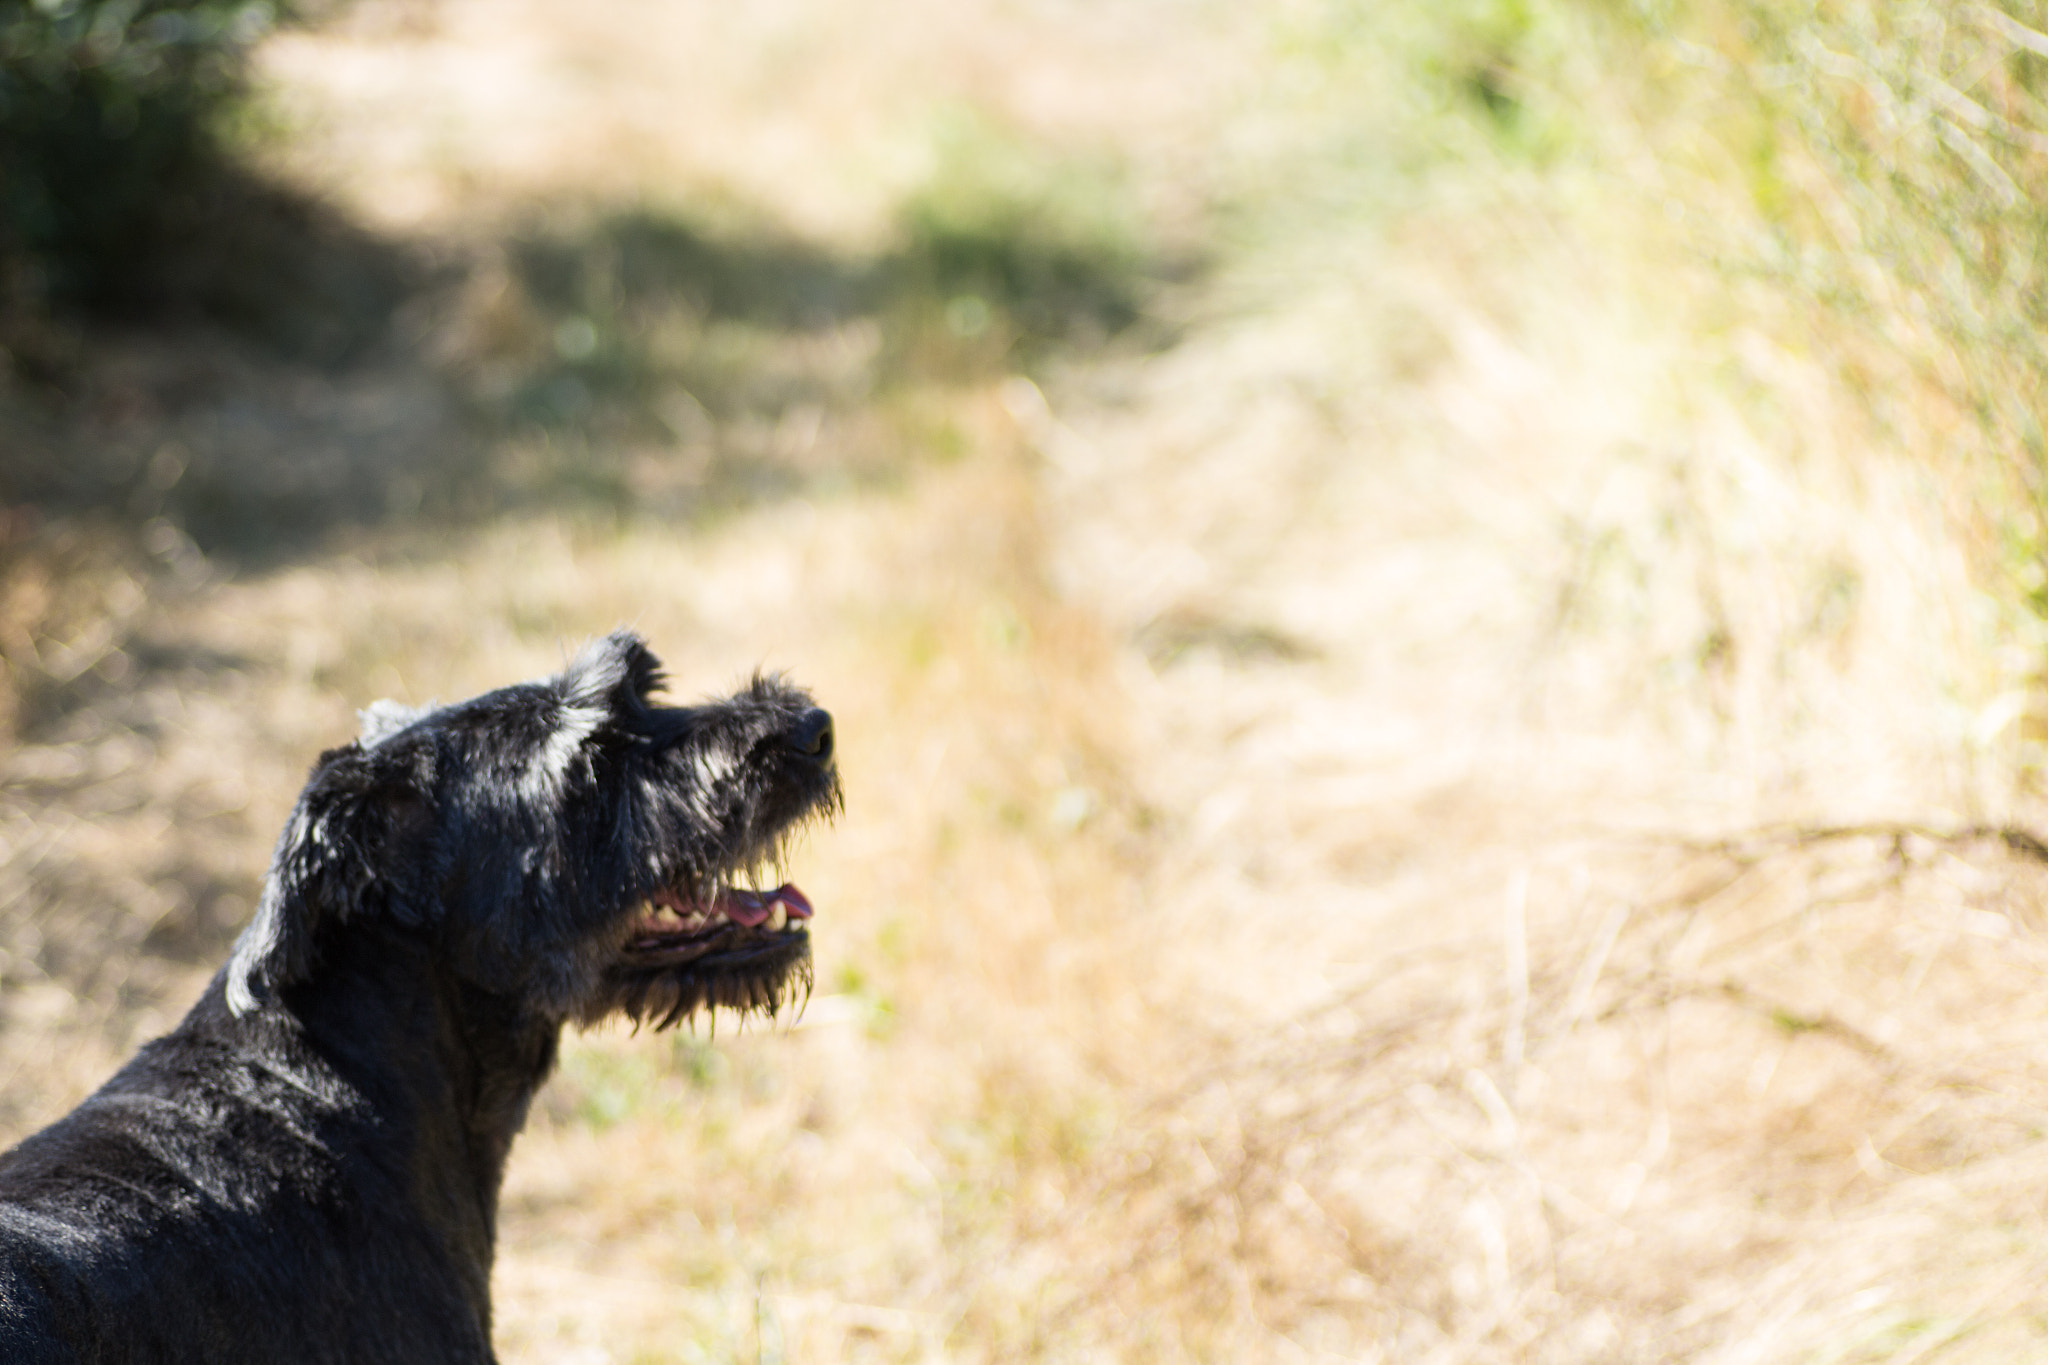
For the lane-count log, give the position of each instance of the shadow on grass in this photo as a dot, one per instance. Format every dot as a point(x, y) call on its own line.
point(256, 374)
point(227, 371)
point(649, 363)
point(624, 313)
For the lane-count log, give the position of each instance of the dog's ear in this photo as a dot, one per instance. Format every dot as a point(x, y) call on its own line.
point(611, 675)
point(340, 856)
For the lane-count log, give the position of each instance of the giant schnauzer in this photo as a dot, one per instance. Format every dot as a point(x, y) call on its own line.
point(307, 1168)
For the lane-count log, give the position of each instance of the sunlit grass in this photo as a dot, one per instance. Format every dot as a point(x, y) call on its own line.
point(1428, 792)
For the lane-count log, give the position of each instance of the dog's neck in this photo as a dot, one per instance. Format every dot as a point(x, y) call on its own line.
point(445, 1070)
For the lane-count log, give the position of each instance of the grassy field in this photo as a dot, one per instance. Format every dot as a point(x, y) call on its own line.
point(1434, 616)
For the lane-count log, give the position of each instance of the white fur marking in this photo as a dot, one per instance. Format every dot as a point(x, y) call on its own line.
point(258, 941)
point(585, 691)
point(260, 938)
point(550, 764)
point(712, 769)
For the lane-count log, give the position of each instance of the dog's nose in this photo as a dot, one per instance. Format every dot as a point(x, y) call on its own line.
point(812, 736)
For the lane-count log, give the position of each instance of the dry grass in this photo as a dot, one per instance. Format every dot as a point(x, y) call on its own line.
point(1454, 815)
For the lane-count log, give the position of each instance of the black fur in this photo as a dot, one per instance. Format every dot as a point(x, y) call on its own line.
point(307, 1169)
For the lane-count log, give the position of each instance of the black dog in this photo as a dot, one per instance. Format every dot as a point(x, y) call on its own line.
point(307, 1169)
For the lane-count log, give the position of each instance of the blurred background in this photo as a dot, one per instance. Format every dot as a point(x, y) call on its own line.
point(1436, 608)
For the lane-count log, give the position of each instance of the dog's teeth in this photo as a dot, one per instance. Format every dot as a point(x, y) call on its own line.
point(777, 917)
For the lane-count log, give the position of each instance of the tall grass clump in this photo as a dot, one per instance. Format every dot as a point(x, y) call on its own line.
point(1886, 163)
point(1865, 180)
point(1840, 205)
point(1864, 183)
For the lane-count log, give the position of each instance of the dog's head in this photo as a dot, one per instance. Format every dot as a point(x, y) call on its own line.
point(566, 841)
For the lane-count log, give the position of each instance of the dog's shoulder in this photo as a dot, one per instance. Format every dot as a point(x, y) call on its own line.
point(222, 1167)
point(30, 1321)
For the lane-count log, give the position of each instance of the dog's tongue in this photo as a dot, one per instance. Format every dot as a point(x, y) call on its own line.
point(750, 908)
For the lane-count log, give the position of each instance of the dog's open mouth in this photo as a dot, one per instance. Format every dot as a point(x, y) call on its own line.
point(675, 927)
point(732, 948)
point(736, 948)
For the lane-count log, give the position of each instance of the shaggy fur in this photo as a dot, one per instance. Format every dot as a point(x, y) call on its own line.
point(307, 1169)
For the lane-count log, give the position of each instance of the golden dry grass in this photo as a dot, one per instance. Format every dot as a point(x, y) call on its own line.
point(1426, 823)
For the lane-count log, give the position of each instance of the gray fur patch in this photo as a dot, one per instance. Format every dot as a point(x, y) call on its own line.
point(383, 719)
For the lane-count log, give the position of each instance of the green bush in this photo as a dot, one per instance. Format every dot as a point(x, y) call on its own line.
point(107, 110)
point(1864, 181)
